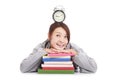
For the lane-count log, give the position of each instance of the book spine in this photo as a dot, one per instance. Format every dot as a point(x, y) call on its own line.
point(61, 62)
point(60, 54)
point(44, 65)
point(55, 71)
point(56, 56)
point(56, 59)
point(58, 68)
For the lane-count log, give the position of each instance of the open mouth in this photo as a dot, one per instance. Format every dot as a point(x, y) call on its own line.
point(60, 45)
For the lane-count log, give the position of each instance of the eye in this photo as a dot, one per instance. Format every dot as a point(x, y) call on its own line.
point(58, 35)
point(65, 36)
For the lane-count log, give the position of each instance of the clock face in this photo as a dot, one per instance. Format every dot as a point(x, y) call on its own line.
point(58, 16)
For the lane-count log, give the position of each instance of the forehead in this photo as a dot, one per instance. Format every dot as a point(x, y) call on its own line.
point(60, 30)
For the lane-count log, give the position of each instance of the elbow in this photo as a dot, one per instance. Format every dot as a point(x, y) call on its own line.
point(23, 69)
point(94, 69)
point(90, 70)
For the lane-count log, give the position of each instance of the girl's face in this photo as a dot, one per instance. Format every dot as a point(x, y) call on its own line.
point(58, 39)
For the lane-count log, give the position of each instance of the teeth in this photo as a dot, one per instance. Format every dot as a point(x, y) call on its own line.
point(60, 45)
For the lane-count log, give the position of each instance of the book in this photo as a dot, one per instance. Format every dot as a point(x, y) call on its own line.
point(40, 71)
point(59, 62)
point(50, 65)
point(56, 59)
point(56, 56)
point(60, 54)
point(57, 68)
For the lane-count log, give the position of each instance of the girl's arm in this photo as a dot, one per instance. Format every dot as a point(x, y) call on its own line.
point(85, 63)
point(33, 61)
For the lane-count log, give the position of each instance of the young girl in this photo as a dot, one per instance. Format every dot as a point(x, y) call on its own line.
point(58, 41)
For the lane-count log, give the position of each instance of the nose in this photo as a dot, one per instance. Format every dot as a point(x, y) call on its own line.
point(61, 40)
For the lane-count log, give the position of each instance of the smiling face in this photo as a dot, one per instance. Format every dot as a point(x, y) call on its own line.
point(58, 39)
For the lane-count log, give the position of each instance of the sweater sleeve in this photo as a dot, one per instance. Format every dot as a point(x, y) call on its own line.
point(33, 61)
point(84, 62)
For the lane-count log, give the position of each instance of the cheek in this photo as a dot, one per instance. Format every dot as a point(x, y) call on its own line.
point(53, 41)
point(66, 41)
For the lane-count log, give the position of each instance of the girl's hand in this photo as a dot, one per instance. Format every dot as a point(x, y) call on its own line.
point(65, 51)
point(73, 51)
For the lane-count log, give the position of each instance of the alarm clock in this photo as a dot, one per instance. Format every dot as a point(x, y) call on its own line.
point(58, 16)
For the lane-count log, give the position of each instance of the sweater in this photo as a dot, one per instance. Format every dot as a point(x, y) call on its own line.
point(81, 60)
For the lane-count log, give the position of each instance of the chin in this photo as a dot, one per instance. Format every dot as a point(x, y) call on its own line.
point(60, 48)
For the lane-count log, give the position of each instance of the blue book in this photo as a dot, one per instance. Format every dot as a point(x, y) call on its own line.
point(56, 59)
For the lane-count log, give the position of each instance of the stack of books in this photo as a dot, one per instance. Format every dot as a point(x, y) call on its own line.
point(57, 63)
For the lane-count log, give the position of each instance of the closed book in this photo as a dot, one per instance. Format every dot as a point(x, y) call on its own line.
point(56, 56)
point(60, 54)
point(50, 65)
point(56, 59)
point(58, 68)
point(40, 71)
point(59, 62)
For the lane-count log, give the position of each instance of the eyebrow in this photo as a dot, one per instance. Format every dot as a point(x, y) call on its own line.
point(61, 33)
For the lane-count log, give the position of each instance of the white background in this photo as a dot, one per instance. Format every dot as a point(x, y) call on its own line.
point(94, 27)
